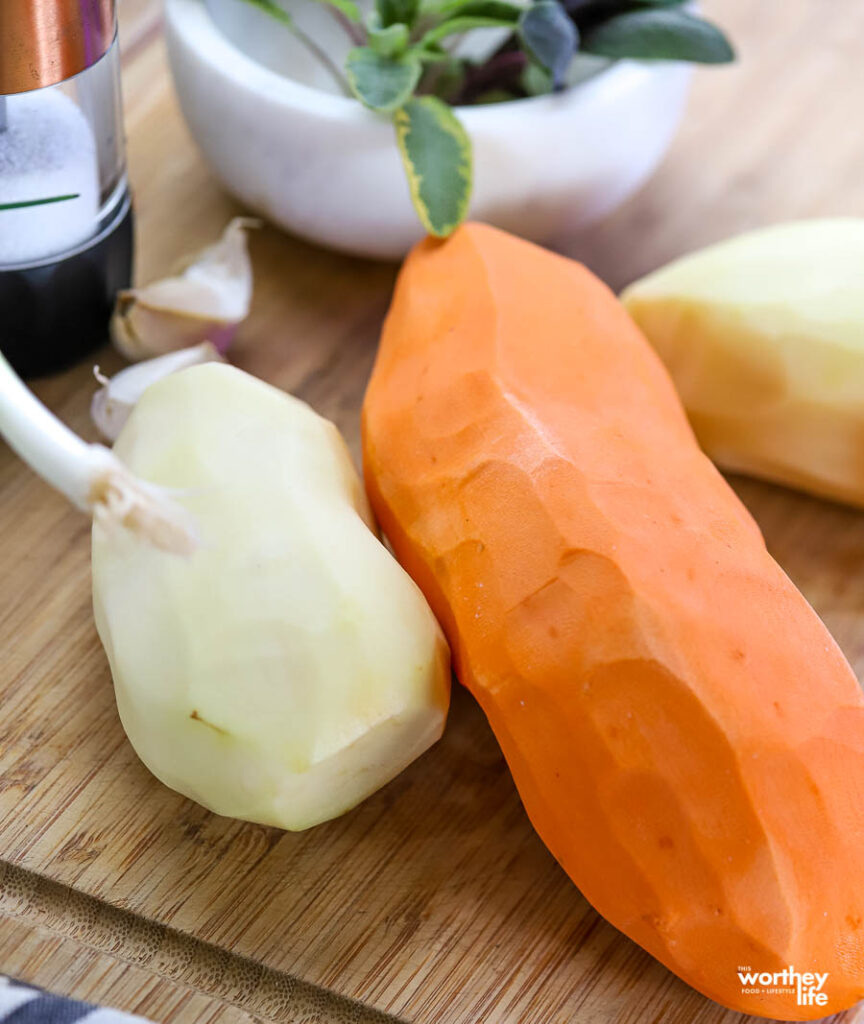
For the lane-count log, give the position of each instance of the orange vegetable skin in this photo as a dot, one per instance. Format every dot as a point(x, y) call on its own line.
point(685, 735)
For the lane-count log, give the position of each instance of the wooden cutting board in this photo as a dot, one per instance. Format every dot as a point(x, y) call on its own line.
point(434, 901)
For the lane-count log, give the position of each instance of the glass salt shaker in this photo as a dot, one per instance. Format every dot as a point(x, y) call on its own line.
point(66, 227)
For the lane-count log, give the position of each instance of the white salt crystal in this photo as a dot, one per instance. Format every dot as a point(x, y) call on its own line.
point(47, 150)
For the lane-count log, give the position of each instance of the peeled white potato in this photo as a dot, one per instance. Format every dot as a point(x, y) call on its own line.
point(289, 667)
point(764, 338)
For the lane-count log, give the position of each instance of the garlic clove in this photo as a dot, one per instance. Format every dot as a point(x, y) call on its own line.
point(119, 394)
point(204, 302)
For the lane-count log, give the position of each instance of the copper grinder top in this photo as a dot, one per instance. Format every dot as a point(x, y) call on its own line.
point(43, 42)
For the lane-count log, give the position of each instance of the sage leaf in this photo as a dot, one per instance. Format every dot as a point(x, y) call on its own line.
point(659, 35)
point(390, 41)
point(436, 152)
point(397, 12)
point(550, 35)
point(382, 83)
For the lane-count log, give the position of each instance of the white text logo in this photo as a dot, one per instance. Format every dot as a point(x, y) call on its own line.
point(806, 986)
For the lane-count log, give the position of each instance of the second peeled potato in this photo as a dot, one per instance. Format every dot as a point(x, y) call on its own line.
point(764, 338)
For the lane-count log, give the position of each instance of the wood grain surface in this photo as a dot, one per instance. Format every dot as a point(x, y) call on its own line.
point(434, 901)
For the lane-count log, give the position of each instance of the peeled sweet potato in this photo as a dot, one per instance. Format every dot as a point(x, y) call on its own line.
point(764, 338)
point(686, 737)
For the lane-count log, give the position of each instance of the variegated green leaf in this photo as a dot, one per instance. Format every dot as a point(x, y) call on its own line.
point(436, 152)
point(382, 83)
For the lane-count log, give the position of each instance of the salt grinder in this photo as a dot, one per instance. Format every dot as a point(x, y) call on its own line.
point(65, 210)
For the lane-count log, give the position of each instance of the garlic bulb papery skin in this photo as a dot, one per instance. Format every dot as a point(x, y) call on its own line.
point(205, 302)
point(118, 396)
point(289, 667)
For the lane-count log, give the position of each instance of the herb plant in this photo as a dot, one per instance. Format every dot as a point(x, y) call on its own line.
point(406, 65)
